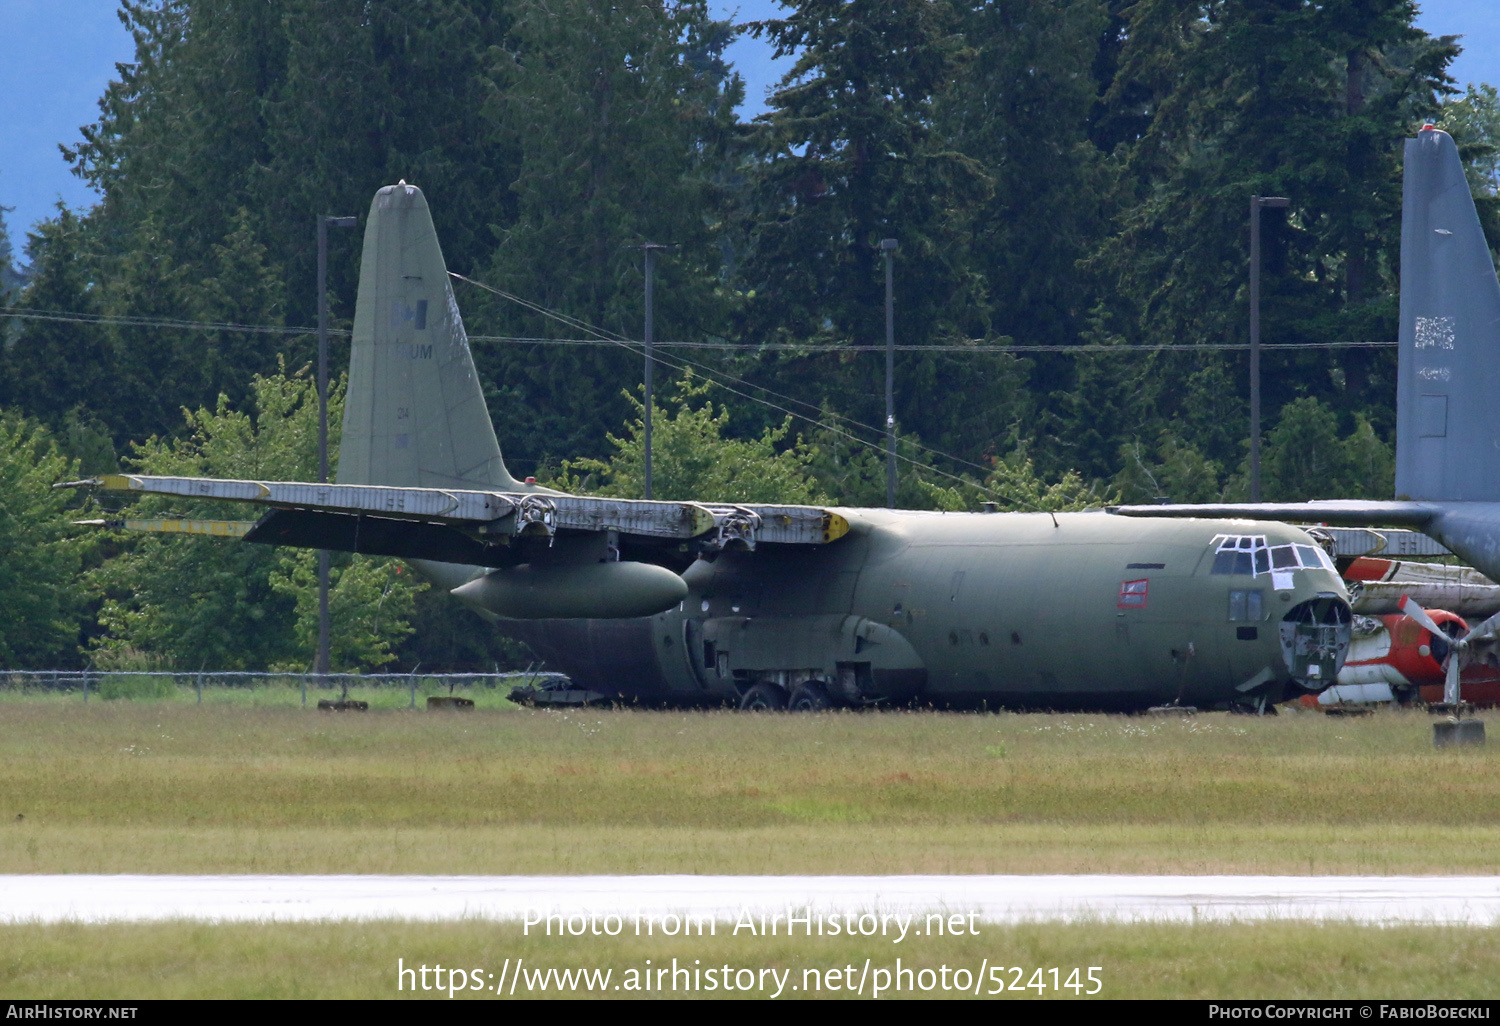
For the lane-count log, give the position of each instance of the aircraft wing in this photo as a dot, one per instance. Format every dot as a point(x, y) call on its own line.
point(477, 527)
point(1335, 512)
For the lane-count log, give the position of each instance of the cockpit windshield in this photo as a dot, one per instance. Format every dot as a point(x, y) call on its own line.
point(1249, 555)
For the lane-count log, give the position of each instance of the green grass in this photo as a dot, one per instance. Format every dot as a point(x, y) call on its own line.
point(171, 787)
point(359, 960)
point(230, 787)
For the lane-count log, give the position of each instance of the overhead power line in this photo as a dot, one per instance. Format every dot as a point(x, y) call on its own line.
point(728, 382)
point(157, 322)
point(973, 349)
point(721, 379)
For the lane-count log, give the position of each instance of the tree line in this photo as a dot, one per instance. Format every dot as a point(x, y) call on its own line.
point(1058, 174)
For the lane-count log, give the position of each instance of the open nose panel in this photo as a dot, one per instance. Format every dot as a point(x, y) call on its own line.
point(1315, 640)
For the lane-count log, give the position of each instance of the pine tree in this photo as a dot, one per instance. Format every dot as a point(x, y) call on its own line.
point(626, 130)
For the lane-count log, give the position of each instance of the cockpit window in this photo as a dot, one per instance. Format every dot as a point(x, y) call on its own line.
point(1284, 557)
point(1233, 563)
point(1236, 553)
point(1314, 557)
point(1248, 555)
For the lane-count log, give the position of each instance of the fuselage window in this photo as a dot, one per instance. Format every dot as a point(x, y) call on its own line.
point(1246, 605)
point(1133, 594)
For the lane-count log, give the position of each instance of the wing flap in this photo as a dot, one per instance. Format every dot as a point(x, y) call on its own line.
point(375, 536)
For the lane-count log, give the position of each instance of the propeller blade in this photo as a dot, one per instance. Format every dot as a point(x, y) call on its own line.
point(1450, 680)
point(1484, 630)
point(1417, 613)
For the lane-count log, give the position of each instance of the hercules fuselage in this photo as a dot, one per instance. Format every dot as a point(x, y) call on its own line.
point(973, 609)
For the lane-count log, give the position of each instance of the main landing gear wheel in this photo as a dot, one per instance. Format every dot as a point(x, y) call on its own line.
point(810, 696)
point(764, 697)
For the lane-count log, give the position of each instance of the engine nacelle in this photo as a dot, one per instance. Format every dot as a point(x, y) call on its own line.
point(599, 591)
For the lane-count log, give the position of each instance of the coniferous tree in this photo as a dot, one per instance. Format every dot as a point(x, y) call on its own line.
point(625, 128)
point(11, 276)
point(849, 156)
point(1265, 97)
point(49, 367)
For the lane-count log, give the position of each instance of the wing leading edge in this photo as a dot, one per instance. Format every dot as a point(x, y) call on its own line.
point(479, 528)
point(1337, 512)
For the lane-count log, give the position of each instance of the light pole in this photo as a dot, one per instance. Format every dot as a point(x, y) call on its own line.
point(889, 247)
point(650, 249)
point(320, 664)
point(1256, 203)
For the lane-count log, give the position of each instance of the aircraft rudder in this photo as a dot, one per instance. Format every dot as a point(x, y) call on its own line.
point(1447, 420)
point(415, 413)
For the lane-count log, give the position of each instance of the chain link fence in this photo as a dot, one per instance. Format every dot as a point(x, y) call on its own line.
point(327, 690)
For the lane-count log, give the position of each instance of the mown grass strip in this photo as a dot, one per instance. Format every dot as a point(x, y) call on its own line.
point(166, 787)
point(1278, 960)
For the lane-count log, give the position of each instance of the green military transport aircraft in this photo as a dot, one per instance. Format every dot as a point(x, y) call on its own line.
point(765, 606)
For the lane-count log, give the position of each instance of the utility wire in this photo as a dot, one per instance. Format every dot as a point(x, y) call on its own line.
point(709, 372)
point(974, 349)
point(602, 340)
point(603, 337)
point(159, 322)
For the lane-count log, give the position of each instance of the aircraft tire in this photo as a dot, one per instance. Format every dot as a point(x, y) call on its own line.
point(764, 697)
point(810, 696)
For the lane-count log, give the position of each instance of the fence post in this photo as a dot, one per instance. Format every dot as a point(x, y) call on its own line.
point(85, 687)
point(414, 691)
point(304, 691)
point(200, 687)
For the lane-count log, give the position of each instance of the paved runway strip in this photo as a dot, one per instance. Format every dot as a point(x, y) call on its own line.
point(1470, 900)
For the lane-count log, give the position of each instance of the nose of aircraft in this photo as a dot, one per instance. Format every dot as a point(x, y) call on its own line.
point(1315, 639)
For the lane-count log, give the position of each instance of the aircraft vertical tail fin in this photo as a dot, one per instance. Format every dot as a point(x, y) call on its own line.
point(415, 413)
point(1448, 385)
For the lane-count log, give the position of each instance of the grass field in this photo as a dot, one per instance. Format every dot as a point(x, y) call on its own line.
point(359, 960)
point(167, 788)
point(172, 787)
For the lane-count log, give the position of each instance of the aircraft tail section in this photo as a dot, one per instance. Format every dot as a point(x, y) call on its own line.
point(1448, 385)
point(415, 414)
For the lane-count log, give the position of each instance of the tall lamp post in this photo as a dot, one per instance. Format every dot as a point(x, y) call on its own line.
point(320, 665)
point(650, 249)
point(1256, 204)
point(889, 247)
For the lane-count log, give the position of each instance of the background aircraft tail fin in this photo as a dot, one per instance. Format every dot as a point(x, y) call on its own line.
point(1448, 384)
point(415, 413)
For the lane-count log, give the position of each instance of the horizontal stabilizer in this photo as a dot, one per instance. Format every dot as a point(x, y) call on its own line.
point(1336, 512)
